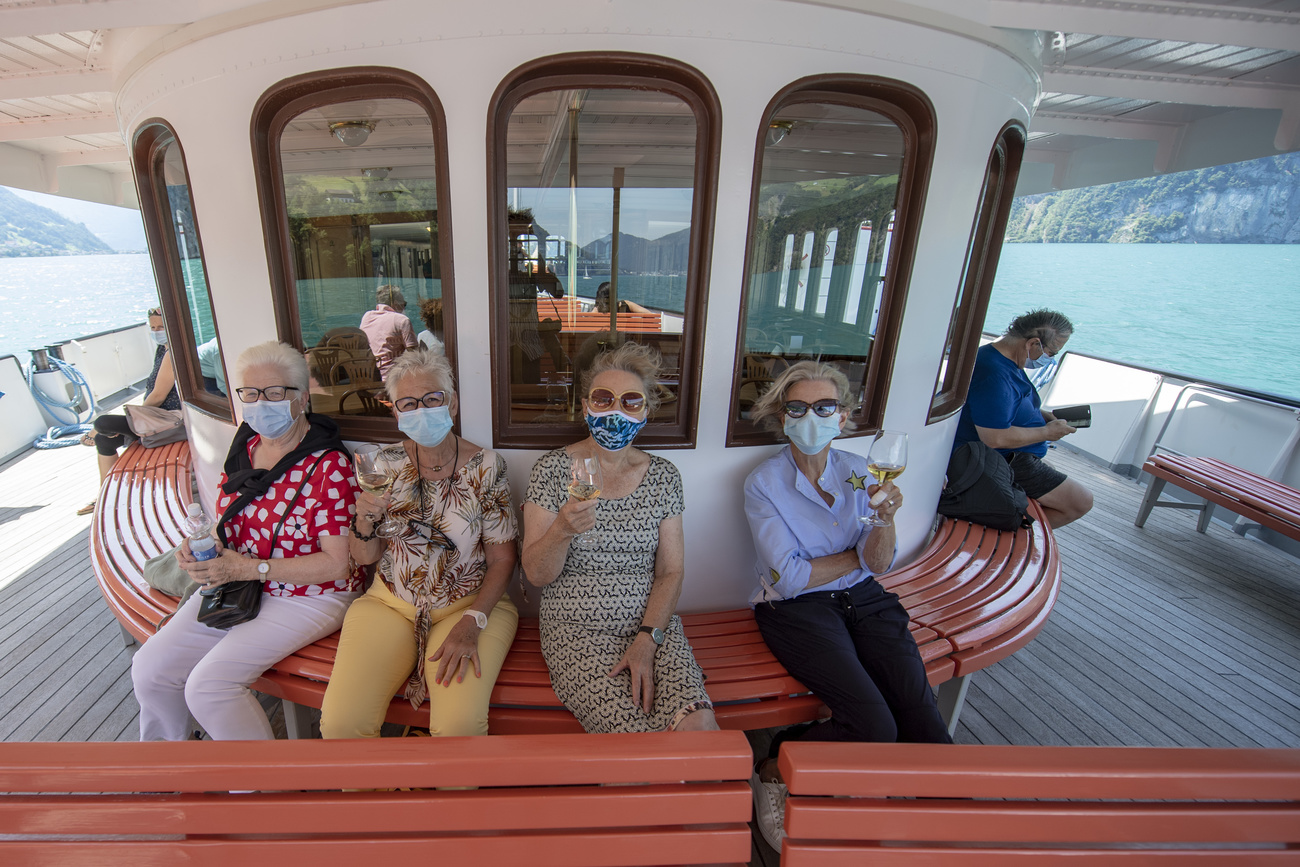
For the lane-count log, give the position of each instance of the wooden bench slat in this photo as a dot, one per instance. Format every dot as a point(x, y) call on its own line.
point(1266, 518)
point(1251, 489)
point(803, 854)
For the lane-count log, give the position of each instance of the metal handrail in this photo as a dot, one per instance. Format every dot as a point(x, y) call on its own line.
point(1209, 389)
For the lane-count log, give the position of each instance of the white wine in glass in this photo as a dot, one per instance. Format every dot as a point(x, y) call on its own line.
point(584, 484)
point(376, 476)
point(886, 462)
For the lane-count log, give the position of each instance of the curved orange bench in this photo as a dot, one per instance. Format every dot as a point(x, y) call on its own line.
point(975, 596)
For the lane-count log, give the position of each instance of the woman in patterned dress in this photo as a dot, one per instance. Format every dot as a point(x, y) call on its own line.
point(295, 476)
point(616, 651)
point(436, 617)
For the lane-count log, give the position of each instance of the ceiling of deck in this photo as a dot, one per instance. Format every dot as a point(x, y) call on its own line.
point(1129, 89)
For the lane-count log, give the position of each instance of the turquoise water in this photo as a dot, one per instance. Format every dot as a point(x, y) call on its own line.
point(1224, 312)
point(1227, 312)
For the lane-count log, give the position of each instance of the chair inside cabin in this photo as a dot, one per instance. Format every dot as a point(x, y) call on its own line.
point(345, 338)
point(354, 371)
point(369, 402)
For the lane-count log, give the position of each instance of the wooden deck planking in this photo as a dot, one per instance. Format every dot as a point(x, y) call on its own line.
point(1230, 676)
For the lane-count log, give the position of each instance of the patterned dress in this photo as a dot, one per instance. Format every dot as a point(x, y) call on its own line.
point(441, 554)
point(590, 613)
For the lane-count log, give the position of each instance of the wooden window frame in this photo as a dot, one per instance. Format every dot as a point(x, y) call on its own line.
point(613, 70)
point(286, 100)
point(150, 138)
point(913, 113)
point(980, 267)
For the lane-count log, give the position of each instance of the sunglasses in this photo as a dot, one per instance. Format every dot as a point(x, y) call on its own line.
point(602, 399)
point(431, 534)
point(824, 408)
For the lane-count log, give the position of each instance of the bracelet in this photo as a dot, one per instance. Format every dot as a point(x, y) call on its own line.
point(362, 536)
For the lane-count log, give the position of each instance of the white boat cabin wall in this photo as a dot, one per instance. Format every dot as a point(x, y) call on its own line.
point(196, 102)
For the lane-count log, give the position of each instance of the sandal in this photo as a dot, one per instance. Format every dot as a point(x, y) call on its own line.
point(88, 439)
point(88, 508)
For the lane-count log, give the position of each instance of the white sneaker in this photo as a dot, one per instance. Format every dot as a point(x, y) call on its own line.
point(769, 810)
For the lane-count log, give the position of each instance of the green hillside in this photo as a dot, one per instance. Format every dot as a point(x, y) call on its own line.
point(27, 229)
point(1255, 202)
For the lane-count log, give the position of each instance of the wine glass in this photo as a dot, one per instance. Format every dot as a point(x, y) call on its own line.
point(584, 484)
point(375, 476)
point(886, 462)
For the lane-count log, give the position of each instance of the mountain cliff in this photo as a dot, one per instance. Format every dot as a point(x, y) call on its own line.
point(1255, 202)
point(27, 229)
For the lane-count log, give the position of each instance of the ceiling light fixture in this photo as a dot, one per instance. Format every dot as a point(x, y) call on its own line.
point(777, 130)
point(353, 133)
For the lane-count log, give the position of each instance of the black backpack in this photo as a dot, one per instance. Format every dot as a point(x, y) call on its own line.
point(980, 489)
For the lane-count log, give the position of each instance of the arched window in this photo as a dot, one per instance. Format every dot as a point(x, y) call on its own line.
point(982, 253)
point(177, 253)
point(352, 175)
point(839, 179)
point(602, 190)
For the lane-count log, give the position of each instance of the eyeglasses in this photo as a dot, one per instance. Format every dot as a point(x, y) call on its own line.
point(602, 399)
point(1048, 352)
point(431, 400)
point(154, 311)
point(824, 408)
point(248, 394)
point(431, 534)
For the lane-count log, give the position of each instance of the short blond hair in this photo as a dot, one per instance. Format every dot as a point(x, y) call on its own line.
point(273, 353)
point(639, 359)
point(419, 361)
point(769, 408)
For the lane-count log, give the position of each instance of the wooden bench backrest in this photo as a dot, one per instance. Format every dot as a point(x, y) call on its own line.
point(1056, 800)
point(573, 318)
point(539, 797)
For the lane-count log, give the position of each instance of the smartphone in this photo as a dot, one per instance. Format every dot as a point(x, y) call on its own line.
point(1076, 416)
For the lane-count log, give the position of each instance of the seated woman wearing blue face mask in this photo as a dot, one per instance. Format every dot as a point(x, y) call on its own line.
point(818, 604)
point(616, 651)
point(436, 622)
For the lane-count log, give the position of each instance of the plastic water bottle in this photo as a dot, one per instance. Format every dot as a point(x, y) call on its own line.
point(203, 545)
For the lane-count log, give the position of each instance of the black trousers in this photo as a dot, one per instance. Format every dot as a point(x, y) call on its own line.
point(852, 649)
point(111, 433)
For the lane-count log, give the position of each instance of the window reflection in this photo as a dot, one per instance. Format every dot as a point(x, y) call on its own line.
point(600, 188)
point(361, 198)
point(829, 184)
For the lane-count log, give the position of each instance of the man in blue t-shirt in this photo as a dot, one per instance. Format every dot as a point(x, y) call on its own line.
point(1003, 410)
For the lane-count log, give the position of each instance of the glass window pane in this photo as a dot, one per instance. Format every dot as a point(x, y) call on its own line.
point(600, 188)
point(362, 205)
point(829, 174)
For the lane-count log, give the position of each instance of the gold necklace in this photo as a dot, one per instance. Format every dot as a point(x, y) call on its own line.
point(437, 468)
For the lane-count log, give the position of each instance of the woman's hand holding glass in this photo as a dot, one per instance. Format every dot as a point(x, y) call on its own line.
point(585, 482)
point(885, 462)
point(375, 476)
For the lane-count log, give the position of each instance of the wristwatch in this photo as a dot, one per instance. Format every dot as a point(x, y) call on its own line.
point(263, 570)
point(479, 617)
point(656, 634)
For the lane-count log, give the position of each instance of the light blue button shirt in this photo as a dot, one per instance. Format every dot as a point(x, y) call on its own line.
point(792, 524)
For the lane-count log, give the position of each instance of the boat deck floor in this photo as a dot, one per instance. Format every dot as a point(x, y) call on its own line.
point(1161, 636)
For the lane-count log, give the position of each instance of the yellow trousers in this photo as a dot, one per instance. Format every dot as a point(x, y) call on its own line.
point(376, 655)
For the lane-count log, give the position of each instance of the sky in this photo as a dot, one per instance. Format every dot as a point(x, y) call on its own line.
point(120, 228)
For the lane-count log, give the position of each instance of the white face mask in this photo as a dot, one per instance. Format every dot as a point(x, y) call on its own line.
point(159, 337)
point(812, 433)
point(269, 418)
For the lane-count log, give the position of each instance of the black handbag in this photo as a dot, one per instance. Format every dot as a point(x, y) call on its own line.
point(239, 601)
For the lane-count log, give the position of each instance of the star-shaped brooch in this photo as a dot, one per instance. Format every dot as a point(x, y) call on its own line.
point(859, 483)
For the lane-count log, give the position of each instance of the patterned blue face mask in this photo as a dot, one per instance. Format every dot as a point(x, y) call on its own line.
point(613, 430)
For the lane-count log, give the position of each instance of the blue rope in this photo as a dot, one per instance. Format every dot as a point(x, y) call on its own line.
point(60, 435)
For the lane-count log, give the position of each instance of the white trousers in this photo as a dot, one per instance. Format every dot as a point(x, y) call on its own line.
point(189, 668)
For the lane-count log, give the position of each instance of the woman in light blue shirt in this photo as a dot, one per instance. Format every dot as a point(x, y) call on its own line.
point(818, 604)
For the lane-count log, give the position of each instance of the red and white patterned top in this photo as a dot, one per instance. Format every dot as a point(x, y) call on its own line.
point(325, 508)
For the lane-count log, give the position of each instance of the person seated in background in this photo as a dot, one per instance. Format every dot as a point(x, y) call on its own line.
point(436, 617)
point(211, 368)
point(624, 306)
point(615, 649)
point(819, 607)
point(431, 313)
point(1004, 412)
point(387, 327)
point(285, 499)
point(111, 429)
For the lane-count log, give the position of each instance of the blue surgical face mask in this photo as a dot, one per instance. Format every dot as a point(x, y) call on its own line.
point(159, 337)
point(613, 430)
point(270, 418)
point(1040, 362)
point(812, 433)
point(427, 426)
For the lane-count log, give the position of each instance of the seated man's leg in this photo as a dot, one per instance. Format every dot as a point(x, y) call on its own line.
point(1062, 498)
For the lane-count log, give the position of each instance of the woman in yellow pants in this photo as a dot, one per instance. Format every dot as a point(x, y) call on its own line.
point(436, 615)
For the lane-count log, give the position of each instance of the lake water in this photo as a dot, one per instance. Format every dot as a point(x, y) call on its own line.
point(1225, 312)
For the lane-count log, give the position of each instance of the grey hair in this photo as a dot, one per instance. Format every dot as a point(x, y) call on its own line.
point(768, 409)
point(273, 353)
point(418, 361)
point(390, 295)
point(639, 359)
point(1046, 325)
